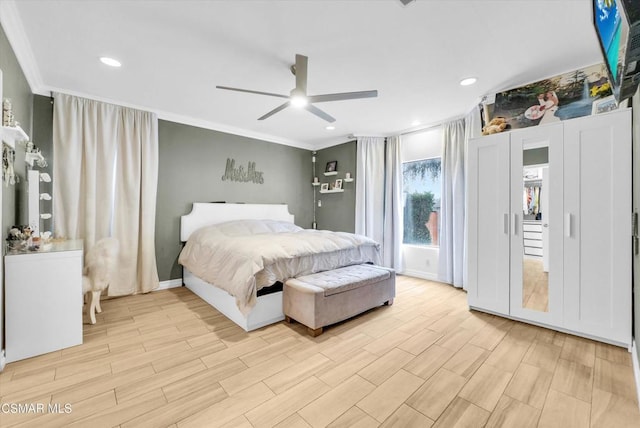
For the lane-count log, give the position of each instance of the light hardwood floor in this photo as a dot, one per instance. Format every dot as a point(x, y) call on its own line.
point(169, 359)
point(535, 287)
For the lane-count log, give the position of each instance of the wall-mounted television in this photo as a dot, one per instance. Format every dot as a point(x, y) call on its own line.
point(617, 23)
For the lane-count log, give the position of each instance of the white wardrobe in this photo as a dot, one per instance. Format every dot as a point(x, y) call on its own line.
point(586, 287)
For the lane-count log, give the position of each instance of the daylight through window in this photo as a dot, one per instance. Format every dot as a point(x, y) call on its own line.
point(421, 188)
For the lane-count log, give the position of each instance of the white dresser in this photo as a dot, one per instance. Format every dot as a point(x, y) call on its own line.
point(532, 237)
point(43, 297)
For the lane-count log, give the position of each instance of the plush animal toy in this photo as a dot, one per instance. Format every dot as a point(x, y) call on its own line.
point(497, 124)
point(100, 262)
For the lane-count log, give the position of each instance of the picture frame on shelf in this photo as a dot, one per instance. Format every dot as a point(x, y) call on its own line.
point(338, 184)
point(332, 166)
point(604, 105)
point(324, 187)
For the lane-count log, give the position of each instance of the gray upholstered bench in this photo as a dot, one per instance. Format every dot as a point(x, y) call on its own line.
point(325, 298)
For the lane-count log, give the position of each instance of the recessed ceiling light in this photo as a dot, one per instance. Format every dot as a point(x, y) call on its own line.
point(110, 61)
point(330, 127)
point(415, 123)
point(468, 81)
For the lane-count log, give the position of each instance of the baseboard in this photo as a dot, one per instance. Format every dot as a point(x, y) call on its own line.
point(419, 274)
point(636, 368)
point(172, 283)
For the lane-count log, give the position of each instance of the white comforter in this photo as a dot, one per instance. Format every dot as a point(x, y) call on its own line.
point(245, 255)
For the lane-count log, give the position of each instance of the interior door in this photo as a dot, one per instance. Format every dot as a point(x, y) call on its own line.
point(488, 223)
point(536, 293)
point(597, 229)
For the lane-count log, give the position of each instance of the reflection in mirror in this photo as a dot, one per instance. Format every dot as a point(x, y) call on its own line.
point(535, 229)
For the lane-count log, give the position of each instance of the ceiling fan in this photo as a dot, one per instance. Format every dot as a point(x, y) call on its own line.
point(298, 96)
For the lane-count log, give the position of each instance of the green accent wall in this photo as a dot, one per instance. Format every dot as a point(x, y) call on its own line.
point(539, 156)
point(337, 212)
point(191, 165)
point(14, 197)
point(42, 136)
point(15, 87)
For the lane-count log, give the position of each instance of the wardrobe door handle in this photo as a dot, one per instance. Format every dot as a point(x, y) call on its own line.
point(567, 225)
point(515, 224)
point(506, 223)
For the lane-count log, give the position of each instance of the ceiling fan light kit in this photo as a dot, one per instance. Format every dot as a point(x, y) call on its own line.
point(298, 96)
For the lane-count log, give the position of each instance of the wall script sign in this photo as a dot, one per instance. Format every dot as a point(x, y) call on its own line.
point(231, 173)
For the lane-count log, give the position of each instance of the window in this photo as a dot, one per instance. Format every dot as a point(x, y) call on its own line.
point(421, 188)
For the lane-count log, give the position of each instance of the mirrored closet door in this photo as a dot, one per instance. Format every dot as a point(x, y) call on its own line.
point(536, 209)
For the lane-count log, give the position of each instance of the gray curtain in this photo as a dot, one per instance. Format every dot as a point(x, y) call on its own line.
point(378, 195)
point(452, 205)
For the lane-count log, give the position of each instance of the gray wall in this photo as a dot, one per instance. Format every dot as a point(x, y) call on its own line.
point(15, 87)
point(338, 209)
point(539, 156)
point(192, 163)
point(42, 136)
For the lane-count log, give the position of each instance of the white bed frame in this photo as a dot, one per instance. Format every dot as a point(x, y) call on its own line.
point(268, 308)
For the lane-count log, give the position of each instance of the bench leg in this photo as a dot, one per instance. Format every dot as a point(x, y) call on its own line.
point(389, 302)
point(314, 333)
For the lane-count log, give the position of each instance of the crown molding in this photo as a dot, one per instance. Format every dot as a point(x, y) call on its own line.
point(14, 29)
point(214, 126)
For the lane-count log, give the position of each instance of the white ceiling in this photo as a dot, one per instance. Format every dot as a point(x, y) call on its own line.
point(174, 53)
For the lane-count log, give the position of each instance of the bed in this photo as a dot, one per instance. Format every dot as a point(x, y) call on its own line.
point(236, 254)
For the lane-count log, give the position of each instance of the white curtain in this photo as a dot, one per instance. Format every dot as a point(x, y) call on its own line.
point(472, 129)
point(452, 205)
point(378, 195)
point(105, 181)
point(392, 241)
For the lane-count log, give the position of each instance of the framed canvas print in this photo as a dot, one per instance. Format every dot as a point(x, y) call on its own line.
point(557, 98)
point(331, 166)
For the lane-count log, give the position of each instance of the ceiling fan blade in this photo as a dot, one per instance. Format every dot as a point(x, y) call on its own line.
point(322, 115)
point(301, 73)
point(274, 111)
point(342, 96)
point(252, 92)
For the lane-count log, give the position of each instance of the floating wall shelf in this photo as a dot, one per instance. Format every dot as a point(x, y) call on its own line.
point(331, 173)
point(332, 191)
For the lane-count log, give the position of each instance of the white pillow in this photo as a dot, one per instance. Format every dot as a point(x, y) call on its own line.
point(253, 227)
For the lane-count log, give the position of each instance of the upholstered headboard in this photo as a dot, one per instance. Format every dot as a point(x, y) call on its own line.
point(204, 214)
